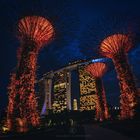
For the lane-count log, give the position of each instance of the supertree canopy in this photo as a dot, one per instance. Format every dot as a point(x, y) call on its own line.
point(116, 47)
point(33, 32)
point(36, 29)
point(97, 70)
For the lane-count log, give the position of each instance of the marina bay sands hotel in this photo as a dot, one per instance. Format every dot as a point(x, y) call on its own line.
point(70, 88)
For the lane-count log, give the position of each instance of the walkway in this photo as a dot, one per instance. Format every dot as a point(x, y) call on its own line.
point(94, 132)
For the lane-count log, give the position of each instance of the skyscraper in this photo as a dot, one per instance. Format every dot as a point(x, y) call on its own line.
point(87, 90)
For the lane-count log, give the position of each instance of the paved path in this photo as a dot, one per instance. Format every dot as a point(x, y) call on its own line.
point(94, 132)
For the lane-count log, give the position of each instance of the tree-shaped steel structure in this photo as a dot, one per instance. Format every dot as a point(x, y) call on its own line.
point(33, 32)
point(97, 70)
point(116, 47)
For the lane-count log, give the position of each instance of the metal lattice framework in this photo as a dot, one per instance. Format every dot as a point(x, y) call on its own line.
point(37, 29)
point(97, 70)
point(116, 44)
point(116, 47)
point(33, 32)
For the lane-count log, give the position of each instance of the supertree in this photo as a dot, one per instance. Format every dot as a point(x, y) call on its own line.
point(12, 95)
point(33, 32)
point(97, 70)
point(116, 47)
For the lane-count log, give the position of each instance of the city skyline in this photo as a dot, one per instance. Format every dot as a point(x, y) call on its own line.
point(80, 27)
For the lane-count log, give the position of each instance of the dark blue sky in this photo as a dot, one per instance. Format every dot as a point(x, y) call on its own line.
point(80, 26)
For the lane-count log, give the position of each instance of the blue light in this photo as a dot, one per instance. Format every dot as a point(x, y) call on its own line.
point(99, 60)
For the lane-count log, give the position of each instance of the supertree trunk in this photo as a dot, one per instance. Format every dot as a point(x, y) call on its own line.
point(102, 107)
point(98, 110)
point(26, 88)
point(11, 105)
point(106, 111)
point(22, 101)
point(128, 97)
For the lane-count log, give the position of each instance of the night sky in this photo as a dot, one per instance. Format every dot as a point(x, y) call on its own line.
point(80, 26)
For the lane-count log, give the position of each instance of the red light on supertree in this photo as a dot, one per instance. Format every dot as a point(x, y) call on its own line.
point(97, 70)
point(12, 95)
point(33, 32)
point(36, 29)
point(116, 48)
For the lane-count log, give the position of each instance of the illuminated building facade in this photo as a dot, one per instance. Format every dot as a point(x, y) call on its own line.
point(59, 88)
point(44, 86)
point(61, 95)
point(47, 84)
point(56, 86)
point(87, 90)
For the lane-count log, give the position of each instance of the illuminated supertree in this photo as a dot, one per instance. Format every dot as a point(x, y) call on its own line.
point(12, 95)
point(33, 32)
point(97, 70)
point(116, 47)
